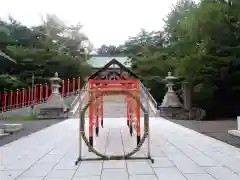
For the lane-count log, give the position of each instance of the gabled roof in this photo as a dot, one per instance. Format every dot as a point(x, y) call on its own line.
point(100, 61)
point(110, 63)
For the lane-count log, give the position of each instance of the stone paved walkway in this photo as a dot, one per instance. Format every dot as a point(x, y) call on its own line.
point(179, 154)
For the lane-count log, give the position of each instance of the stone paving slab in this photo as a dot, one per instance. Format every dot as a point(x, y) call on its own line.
point(179, 153)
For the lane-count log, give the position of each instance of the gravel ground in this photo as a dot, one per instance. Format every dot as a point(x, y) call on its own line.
point(217, 129)
point(29, 128)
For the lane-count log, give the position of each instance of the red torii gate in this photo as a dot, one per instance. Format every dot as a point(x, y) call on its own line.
point(97, 89)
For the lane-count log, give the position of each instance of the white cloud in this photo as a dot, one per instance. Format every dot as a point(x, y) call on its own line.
point(105, 21)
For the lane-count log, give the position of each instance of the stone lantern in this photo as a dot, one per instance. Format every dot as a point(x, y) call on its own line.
point(55, 83)
point(55, 107)
point(170, 98)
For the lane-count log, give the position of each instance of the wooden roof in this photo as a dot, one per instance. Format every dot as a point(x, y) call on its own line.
point(100, 61)
point(110, 63)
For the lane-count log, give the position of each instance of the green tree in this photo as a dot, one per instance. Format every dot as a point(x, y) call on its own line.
point(42, 50)
point(109, 50)
point(206, 49)
point(200, 43)
point(149, 59)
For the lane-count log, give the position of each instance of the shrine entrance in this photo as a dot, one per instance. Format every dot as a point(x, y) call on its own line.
point(113, 82)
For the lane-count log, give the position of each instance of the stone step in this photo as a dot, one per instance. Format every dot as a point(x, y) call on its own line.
point(115, 106)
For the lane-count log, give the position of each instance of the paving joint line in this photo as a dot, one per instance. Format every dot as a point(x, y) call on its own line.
point(125, 161)
point(105, 153)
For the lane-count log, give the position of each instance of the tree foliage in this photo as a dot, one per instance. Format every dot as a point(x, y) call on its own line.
point(42, 50)
point(200, 43)
point(109, 50)
point(207, 51)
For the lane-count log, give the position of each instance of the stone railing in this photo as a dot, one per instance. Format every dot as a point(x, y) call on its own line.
point(78, 100)
point(148, 95)
point(85, 87)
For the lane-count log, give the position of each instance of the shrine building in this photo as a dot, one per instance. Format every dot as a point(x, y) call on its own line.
point(110, 67)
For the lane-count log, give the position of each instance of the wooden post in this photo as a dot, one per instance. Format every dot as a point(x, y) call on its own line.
point(5, 101)
point(40, 93)
point(46, 91)
point(29, 96)
point(68, 87)
point(73, 85)
point(63, 88)
point(17, 99)
point(79, 85)
point(35, 95)
point(11, 99)
point(23, 97)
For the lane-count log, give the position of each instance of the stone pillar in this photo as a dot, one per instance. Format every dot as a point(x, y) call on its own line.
point(187, 95)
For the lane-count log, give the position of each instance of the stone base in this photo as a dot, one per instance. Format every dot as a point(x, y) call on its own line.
point(234, 132)
point(168, 112)
point(52, 113)
point(171, 100)
point(55, 108)
point(55, 101)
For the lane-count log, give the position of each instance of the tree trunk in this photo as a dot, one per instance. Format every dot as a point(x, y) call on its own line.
point(187, 95)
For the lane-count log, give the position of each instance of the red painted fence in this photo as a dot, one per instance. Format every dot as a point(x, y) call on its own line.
point(19, 98)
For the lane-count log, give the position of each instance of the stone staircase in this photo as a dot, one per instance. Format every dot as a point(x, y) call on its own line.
point(115, 106)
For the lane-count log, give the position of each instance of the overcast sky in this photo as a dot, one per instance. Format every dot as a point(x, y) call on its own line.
point(105, 21)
